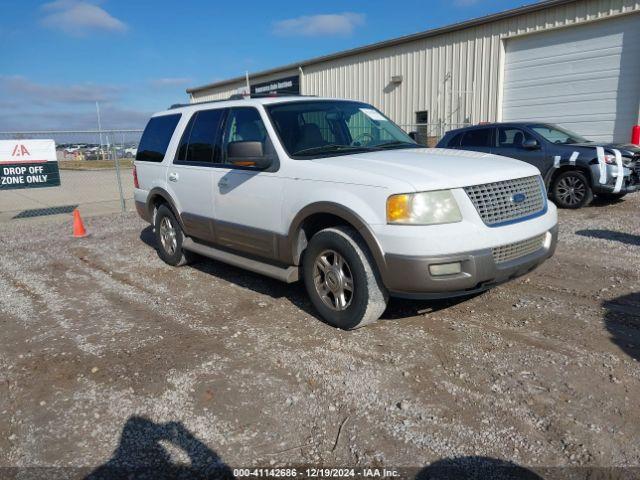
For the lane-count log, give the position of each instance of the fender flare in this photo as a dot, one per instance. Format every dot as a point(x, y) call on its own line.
point(345, 214)
point(162, 193)
point(583, 168)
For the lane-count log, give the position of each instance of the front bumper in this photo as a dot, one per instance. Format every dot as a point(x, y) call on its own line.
point(630, 184)
point(410, 277)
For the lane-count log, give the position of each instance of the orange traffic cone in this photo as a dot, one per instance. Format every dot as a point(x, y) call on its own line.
point(78, 227)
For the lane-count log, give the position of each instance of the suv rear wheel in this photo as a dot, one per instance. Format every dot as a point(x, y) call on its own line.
point(571, 189)
point(169, 238)
point(341, 279)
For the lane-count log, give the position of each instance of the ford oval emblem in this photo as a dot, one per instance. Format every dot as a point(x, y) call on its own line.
point(518, 197)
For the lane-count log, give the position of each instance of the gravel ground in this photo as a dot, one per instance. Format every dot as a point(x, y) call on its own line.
point(111, 358)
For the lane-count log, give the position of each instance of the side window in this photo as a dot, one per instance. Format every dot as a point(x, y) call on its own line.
point(156, 137)
point(455, 141)
point(200, 142)
point(479, 137)
point(245, 125)
point(509, 137)
point(181, 154)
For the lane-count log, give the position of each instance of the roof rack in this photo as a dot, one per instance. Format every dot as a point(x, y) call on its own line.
point(180, 105)
point(241, 96)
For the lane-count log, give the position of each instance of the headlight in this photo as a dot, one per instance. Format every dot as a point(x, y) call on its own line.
point(425, 208)
point(611, 160)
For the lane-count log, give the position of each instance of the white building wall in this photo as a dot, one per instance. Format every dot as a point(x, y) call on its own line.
point(455, 76)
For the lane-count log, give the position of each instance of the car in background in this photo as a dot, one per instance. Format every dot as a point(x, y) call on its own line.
point(130, 152)
point(571, 184)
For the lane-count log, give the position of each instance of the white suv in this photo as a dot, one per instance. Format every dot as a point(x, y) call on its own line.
point(334, 193)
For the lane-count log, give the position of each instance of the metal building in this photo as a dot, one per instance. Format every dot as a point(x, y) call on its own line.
point(571, 62)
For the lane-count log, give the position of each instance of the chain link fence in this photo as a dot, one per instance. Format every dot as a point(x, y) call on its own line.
point(95, 175)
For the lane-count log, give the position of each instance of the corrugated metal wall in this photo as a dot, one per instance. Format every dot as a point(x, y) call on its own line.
point(454, 76)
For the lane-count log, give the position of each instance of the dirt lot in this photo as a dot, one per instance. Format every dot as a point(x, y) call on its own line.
point(110, 357)
point(95, 191)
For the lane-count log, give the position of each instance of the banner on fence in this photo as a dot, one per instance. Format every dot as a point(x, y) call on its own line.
point(28, 164)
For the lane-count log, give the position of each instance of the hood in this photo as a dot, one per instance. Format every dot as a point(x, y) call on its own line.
point(626, 149)
point(430, 168)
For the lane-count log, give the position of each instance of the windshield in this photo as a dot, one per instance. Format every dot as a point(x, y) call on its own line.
point(328, 127)
point(556, 134)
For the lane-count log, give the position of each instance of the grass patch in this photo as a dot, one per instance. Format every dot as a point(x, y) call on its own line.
point(94, 164)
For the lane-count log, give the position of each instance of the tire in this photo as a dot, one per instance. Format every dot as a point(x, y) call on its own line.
point(353, 307)
point(571, 189)
point(611, 197)
point(169, 246)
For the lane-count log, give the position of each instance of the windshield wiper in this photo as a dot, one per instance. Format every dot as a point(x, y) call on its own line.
point(397, 143)
point(331, 148)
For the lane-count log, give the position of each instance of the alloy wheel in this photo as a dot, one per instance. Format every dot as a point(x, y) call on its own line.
point(571, 190)
point(333, 280)
point(168, 236)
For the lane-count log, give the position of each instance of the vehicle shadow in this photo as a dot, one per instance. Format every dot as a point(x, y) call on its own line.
point(141, 454)
point(621, 237)
point(401, 308)
point(296, 293)
point(622, 320)
point(475, 468)
point(599, 202)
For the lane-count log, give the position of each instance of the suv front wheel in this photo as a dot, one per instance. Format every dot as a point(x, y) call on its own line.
point(169, 238)
point(341, 279)
point(571, 189)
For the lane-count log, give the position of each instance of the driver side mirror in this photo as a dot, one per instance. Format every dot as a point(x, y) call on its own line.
point(414, 136)
point(248, 154)
point(530, 144)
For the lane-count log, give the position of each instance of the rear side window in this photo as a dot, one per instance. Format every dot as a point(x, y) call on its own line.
point(156, 137)
point(480, 137)
point(200, 142)
point(455, 141)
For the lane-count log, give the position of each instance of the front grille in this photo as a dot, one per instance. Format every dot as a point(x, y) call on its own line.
point(495, 201)
point(511, 251)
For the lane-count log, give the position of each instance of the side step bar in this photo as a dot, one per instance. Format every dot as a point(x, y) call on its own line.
point(284, 274)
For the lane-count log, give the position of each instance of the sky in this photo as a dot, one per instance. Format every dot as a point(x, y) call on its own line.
point(58, 58)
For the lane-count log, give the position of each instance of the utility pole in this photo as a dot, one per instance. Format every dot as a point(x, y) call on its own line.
point(246, 76)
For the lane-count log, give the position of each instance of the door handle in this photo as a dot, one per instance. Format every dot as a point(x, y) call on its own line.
point(173, 177)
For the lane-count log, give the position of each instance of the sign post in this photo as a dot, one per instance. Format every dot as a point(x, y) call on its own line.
point(28, 164)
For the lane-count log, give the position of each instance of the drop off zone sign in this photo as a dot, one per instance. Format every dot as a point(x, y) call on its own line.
point(28, 164)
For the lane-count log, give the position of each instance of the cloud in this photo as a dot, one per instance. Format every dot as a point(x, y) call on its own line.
point(29, 105)
point(112, 117)
point(16, 86)
point(315, 25)
point(170, 82)
point(78, 18)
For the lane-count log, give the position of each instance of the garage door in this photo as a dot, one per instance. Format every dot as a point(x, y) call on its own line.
point(586, 78)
